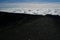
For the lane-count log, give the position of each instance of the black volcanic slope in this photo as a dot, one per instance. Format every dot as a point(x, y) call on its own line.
point(14, 26)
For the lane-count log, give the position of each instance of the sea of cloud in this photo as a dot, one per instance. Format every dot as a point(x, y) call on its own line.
point(31, 8)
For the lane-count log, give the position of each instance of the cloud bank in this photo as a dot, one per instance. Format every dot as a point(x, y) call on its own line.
point(31, 8)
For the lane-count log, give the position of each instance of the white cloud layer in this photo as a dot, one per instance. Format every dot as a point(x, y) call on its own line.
point(31, 8)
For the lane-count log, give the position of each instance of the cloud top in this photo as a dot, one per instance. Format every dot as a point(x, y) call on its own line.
point(32, 8)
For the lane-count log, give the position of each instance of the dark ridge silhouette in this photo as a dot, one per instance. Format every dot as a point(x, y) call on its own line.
point(15, 26)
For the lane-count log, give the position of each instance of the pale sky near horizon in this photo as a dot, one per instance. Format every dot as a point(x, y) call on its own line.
point(29, 3)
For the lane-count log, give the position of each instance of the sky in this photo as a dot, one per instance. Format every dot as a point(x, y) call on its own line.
point(2, 1)
point(29, 4)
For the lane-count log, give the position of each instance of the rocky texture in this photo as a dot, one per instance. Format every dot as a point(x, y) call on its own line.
point(14, 26)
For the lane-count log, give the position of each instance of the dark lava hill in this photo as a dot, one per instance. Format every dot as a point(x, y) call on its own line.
point(15, 26)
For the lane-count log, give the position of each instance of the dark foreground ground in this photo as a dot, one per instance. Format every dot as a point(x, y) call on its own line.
point(29, 27)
